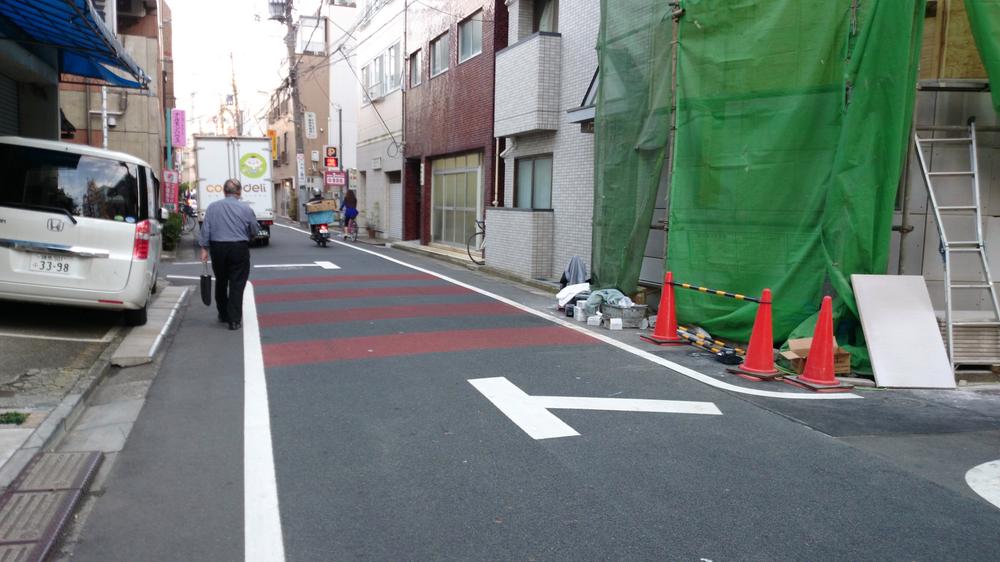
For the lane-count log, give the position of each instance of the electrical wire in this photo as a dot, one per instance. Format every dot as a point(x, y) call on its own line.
point(456, 16)
point(395, 146)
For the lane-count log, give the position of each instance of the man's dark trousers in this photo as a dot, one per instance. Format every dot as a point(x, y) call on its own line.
point(231, 266)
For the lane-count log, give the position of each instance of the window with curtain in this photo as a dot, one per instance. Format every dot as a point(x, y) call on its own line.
point(546, 16)
point(533, 182)
point(439, 55)
point(416, 69)
point(470, 37)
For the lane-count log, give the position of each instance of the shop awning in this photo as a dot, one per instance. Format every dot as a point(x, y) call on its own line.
point(86, 46)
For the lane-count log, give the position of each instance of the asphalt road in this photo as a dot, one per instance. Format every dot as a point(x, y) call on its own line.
point(384, 450)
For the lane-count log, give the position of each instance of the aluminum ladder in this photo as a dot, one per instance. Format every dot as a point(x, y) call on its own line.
point(970, 211)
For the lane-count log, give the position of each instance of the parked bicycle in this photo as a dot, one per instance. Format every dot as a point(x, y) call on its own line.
point(476, 244)
point(189, 218)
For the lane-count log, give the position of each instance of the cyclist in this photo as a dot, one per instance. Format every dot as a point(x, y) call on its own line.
point(350, 210)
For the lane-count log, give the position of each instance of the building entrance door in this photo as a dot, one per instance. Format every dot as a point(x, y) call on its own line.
point(456, 198)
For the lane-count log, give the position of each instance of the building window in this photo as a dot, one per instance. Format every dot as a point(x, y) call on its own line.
point(416, 69)
point(312, 35)
point(470, 37)
point(439, 55)
point(533, 187)
point(546, 16)
point(381, 76)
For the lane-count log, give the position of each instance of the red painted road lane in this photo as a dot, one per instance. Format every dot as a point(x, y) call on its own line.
point(369, 347)
point(385, 312)
point(334, 278)
point(361, 293)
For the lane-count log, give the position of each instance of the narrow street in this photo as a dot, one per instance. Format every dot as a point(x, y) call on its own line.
point(388, 444)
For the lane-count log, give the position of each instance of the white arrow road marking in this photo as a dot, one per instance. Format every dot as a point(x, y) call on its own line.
point(985, 481)
point(323, 264)
point(531, 413)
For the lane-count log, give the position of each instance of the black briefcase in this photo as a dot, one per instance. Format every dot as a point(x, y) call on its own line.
point(206, 285)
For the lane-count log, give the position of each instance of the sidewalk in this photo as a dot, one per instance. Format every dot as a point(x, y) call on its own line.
point(53, 398)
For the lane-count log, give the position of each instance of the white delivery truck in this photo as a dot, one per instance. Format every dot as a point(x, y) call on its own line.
point(247, 159)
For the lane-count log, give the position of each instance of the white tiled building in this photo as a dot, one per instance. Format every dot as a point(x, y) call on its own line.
point(379, 57)
point(542, 79)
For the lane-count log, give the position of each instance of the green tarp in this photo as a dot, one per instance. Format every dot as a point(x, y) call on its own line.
point(984, 19)
point(793, 122)
point(631, 128)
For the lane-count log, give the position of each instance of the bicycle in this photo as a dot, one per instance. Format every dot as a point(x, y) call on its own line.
point(351, 230)
point(476, 244)
point(188, 218)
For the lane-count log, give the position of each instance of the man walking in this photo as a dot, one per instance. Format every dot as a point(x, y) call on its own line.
point(226, 232)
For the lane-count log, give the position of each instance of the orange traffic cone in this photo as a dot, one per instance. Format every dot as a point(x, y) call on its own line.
point(665, 332)
point(818, 374)
point(759, 362)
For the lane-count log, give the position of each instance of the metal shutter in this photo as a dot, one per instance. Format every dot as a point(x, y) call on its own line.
point(8, 107)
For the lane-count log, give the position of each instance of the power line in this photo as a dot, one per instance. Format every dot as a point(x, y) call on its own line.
point(395, 143)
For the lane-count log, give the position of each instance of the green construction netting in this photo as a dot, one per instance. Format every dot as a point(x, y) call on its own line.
point(984, 18)
point(631, 128)
point(792, 126)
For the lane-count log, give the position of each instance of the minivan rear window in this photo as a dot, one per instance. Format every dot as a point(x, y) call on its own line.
point(84, 186)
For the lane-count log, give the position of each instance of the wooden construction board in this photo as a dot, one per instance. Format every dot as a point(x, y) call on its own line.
point(901, 329)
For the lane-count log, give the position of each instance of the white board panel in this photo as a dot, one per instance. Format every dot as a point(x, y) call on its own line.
point(904, 342)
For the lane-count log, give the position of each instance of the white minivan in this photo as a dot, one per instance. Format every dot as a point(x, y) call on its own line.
point(78, 226)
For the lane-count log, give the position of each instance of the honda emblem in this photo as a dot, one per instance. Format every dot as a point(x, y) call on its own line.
point(56, 225)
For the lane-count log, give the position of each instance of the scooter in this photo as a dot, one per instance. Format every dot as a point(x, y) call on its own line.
point(319, 224)
point(321, 234)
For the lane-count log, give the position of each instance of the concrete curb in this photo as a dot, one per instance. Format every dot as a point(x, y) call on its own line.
point(57, 424)
point(533, 283)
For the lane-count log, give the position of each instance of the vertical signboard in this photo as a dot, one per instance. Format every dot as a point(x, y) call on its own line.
point(273, 135)
point(178, 128)
point(170, 187)
point(301, 158)
point(311, 127)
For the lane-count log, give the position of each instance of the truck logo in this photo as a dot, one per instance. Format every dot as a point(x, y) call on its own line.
point(56, 225)
point(253, 165)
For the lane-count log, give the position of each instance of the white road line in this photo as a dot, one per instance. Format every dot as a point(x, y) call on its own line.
point(676, 367)
point(188, 277)
point(327, 265)
point(185, 263)
point(53, 338)
point(262, 518)
point(985, 481)
point(533, 418)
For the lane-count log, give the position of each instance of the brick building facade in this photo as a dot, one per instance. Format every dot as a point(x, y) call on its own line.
point(450, 151)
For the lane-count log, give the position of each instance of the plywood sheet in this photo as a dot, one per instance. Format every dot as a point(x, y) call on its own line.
point(901, 329)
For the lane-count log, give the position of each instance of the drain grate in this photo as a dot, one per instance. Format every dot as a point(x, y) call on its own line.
point(34, 510)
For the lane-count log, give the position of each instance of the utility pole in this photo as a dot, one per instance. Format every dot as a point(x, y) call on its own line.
point(293, 84)
point(236, 98)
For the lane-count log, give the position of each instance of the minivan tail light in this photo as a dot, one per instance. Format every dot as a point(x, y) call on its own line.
point(140, 250)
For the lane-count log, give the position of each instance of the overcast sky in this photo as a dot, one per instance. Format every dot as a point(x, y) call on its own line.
point(204, 33)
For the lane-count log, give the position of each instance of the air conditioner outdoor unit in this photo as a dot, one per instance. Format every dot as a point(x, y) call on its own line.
point(131, 8)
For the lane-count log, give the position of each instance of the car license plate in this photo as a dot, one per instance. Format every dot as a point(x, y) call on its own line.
point(47, 263)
